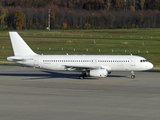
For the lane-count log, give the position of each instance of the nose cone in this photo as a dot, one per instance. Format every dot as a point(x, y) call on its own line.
point(150, 66)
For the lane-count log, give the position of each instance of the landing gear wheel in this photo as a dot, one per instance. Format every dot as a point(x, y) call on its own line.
point(133, 76)
point(81, 77)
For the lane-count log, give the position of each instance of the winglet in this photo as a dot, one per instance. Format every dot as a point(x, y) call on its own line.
point(19, 45)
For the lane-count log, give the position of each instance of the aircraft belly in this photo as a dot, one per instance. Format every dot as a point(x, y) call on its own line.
point(57, 67)
point(51, 67)
point(122, 67)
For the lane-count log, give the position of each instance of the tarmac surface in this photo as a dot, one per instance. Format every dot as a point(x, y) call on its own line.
point(34, 94)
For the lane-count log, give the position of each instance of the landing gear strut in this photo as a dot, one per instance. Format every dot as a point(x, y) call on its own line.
point(132, 75)
point(82, 76)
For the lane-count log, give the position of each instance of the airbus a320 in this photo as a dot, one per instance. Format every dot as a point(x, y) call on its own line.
point(88, 65)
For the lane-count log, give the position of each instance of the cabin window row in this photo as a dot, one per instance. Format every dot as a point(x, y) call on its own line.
point(113, 60)
point(67, 60)
point(85, 61)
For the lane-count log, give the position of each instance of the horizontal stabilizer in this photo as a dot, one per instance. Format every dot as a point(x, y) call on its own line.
point(15, 59)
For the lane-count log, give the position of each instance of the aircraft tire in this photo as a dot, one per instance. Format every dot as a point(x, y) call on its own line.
point(133, 76)
point(81, 77)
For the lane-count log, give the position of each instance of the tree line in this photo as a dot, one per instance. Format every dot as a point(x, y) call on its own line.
point(117, 5)
point(79, 14)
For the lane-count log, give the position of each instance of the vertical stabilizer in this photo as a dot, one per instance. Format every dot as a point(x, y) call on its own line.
point(19, 45)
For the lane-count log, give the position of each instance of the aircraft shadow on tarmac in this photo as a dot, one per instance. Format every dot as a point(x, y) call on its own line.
point(48, 74)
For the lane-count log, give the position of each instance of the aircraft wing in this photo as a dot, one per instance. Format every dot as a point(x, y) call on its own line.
point(80, 67)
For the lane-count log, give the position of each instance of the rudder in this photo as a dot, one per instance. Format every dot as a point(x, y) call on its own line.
point(19, 45)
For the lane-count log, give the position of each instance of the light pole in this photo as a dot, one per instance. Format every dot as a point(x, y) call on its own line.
point(125, 5)
point(49, 17)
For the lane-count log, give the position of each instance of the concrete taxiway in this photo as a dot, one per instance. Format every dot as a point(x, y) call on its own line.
point(29, 94)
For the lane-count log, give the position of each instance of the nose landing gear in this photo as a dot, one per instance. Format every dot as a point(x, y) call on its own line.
point(132, 75)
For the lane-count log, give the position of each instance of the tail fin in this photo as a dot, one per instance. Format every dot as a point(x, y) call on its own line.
point(19, 45)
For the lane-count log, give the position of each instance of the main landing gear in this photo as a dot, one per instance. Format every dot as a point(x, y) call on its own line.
point(132, 75)
point(82, 76)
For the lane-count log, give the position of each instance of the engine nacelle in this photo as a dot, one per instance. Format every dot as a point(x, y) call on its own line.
point(98, 73)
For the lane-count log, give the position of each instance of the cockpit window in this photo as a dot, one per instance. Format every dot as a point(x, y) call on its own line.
point(143, 61)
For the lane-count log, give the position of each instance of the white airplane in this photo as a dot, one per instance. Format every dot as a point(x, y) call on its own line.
point(89, 65)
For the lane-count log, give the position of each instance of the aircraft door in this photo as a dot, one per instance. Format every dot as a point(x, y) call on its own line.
point(95, 61)
point(36, 62)
point(132, 63)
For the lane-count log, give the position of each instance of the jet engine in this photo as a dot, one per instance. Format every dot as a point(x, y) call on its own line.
point(98, 73)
